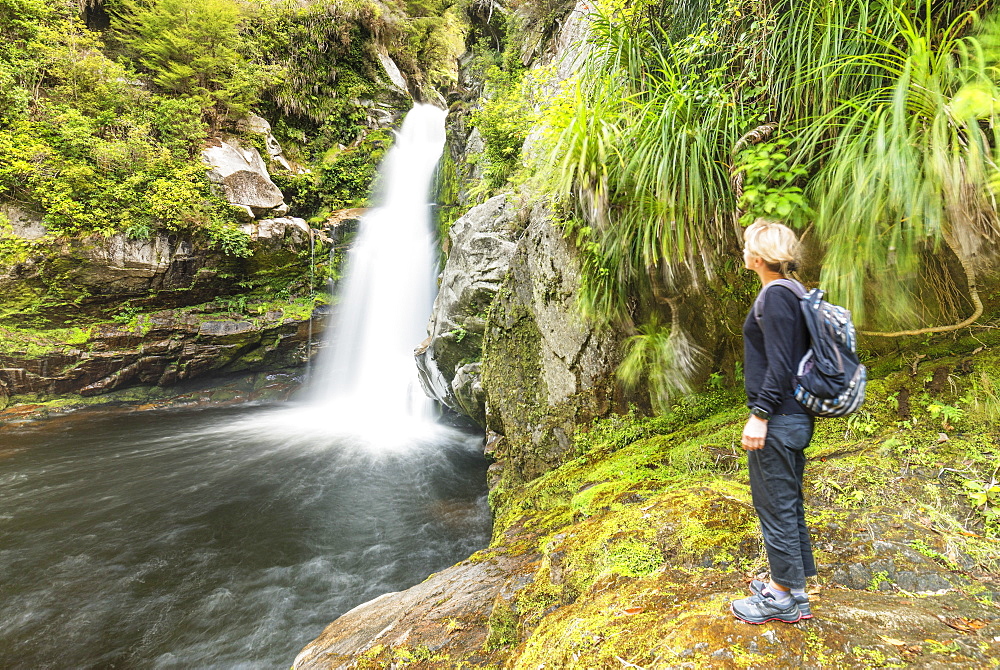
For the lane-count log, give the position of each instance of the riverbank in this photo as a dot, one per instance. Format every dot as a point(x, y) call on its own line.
point(628, 554)
point(261, 387)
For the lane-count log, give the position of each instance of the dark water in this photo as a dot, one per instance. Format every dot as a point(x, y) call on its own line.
point(215, 538)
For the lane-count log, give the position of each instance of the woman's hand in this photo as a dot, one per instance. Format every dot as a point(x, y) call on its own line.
point(754, 433)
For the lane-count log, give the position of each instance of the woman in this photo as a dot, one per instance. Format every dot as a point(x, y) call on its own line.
point(778, 430)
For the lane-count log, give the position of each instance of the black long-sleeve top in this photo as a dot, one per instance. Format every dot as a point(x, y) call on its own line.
point(772, 351)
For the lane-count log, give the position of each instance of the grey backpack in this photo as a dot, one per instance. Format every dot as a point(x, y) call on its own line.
point(830, 380)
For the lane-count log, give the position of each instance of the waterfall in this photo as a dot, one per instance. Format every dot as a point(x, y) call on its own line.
point(364, 389)
point(366, 376)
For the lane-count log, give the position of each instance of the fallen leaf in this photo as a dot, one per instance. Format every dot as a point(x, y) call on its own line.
point(632, 610)
point(964, 625)
point(943, 437)
point(893, 641)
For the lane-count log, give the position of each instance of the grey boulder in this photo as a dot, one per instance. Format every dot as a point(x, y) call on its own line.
point(482, 244)
point(241, 175)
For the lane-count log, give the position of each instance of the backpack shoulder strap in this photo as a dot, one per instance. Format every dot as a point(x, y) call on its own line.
point(795, 287)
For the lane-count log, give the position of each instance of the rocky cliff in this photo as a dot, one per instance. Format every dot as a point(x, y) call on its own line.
point(545, 371)
point(88, 315)
point(507, 345)
point(482, 243)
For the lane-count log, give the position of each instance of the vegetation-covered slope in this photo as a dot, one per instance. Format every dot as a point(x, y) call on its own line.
point(101, 128)
point(868, 126)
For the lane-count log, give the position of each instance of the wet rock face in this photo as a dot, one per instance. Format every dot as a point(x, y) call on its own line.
point(162, 349)
point(276, 386)
point(545, 370)
point(482, 245)
point(83, 284)
point(24, 223)
point(121, 265)
point(63, 279)
point(290, 232)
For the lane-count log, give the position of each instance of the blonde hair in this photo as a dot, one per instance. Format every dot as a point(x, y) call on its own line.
point(774, 243)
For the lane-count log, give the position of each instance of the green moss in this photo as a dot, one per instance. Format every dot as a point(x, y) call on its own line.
point(372, 659)
point(32, 343)
point(419, 654)
point(43, 405)
point(446, 190)
point(654, 511)
point(15, 250)
point(632, 558)
point(502, 626)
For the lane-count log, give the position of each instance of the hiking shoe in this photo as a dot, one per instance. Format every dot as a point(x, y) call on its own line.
point(761, 608)
point(756, 586)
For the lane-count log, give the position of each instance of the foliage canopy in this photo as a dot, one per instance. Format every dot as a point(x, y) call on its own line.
point(870, 126)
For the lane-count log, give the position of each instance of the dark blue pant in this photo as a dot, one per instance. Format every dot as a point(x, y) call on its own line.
point(776, 486)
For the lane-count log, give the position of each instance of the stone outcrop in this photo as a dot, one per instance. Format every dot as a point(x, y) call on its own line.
point(467, 616)
point(482, 244)
point(57, 280)
point(288, 232)
point(429, 614)
point(24, 223)
point(259, 126)
point(241, 175)
point(160, 349)
point(61, 279)
point(397, 82)
point(545, 369)
point(264, 386)
point(89, 315)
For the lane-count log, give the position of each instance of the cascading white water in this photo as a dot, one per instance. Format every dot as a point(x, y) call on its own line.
point(364, 389)
point(367, 377)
